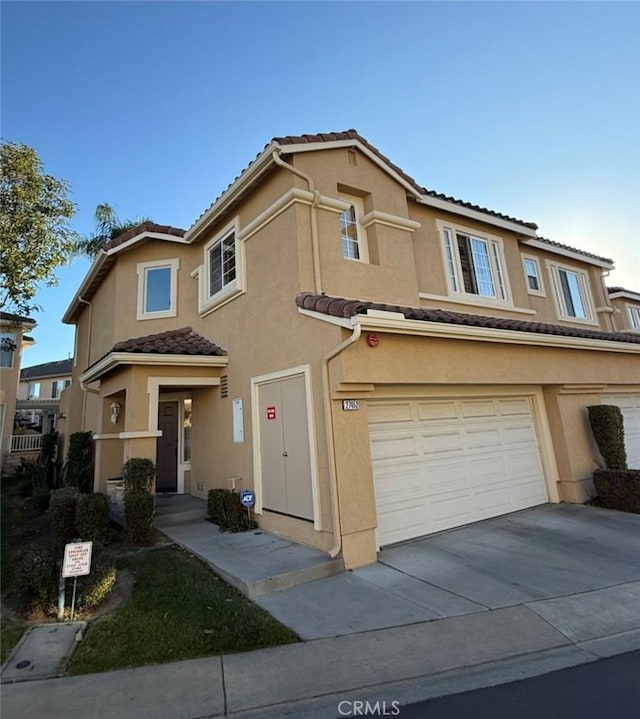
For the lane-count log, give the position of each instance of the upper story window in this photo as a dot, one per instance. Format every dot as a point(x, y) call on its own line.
point(474, 263)
point(571, 291)
point(157, 289)
point(351, 232)
point(221, 276)
point(7, 349)
point(33, 390)
point(221, 260)
point(533, 275)
point(57, 387)
point(634, 317)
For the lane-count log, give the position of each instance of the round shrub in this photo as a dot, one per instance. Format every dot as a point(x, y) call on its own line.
point(35, 576)
point(93, 588)
point(138, 515)
point(62, 508)
point(92, 517)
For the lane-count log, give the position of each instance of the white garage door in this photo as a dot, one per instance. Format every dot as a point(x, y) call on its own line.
point(443, 463)
point(630, 406)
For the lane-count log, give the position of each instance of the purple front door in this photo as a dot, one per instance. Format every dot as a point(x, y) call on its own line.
point(167, 449)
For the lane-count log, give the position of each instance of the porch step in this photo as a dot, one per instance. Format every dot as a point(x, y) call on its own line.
point(178, 508)
point(256, 562)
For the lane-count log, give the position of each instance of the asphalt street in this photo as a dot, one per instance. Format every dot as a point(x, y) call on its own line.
point(604, 688)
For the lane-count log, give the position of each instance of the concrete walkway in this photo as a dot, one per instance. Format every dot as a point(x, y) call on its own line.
point(565, 608)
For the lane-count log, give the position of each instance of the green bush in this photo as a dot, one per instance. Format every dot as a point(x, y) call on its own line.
point(138, 474)
point(93, 588)
point(92, 517)
point(225, 509)
point(48, 458)
point(35, 576)
point(62, 509)
point(32, 477)
point(618, 488)
point(77, 471)
point(607, 427)
point(138, 516)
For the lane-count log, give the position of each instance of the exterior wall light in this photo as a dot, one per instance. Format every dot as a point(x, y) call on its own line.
point(115, 412)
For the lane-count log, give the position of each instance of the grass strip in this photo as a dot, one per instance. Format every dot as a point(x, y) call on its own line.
point(179, 610)
point(9, 637)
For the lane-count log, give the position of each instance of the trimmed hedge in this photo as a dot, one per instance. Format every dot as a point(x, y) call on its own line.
point(138, 474)
point(62, 508)
point(607, 427)
point(92, 517)
point(224, 508)
point(138, 516)
point(618, 488)
point(77, 471)
point(34, 576)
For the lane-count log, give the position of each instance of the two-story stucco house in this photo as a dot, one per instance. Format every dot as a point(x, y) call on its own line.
point(39, 392)
point(13, 341)
point(377, 361)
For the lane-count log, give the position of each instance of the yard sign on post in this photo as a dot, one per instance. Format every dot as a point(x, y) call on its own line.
point(247, 499)
point(77, 563)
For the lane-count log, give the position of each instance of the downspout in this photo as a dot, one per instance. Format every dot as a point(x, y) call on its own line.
point(315, 248)
point(82, 385)
point(328, 416)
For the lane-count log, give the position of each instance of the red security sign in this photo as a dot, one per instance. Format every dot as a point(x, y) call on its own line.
point(271, 412)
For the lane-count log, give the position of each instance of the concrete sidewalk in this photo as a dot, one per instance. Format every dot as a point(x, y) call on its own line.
point(405, 664)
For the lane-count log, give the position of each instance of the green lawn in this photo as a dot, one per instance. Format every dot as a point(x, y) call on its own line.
point(179, 610)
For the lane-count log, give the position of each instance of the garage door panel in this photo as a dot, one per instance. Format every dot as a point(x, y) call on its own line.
point(437, 410)
point(393, 412)
point(482, 462)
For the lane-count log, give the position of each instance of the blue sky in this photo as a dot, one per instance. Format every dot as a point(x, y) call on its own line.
point(531, 109)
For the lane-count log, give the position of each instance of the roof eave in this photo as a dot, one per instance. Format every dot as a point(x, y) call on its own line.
point(572, 254)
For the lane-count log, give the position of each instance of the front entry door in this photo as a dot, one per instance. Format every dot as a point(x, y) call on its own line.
point(284, 447)
point(167, 448)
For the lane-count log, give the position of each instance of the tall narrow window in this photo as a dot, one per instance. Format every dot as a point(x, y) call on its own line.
point(349, 234)
point(571, 288)
point(571, 294)
point(222, 264)
point(533, 275)
point(7, 349)
point(33, 390)
point(634, 317)
point(186, 430)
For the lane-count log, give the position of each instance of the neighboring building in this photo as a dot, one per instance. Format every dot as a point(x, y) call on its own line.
point(13, 340)
point(38, 403)
point(626, 305)
point(449, 386)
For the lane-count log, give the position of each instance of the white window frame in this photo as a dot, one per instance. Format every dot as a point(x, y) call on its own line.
point(585, 293)
point(633, 314)
point(453, 266)
point(12, 337)
point(207, 302)
point(357, 205)
point(142, 269)
point(540, 292)
point(33, 390)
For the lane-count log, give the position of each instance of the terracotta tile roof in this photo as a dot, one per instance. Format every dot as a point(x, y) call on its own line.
point(354, 135)
point(48, 369)
point(573, 249)
point(147, 226)
point(347, 308)
point(183, 341)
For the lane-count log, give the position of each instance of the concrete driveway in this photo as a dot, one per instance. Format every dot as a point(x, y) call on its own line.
point(552, 558)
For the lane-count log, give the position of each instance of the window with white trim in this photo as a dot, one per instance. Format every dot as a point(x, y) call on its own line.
point(221, 264)
point(33, 390)
point(351, 232)
point(157, 289)
point(533, 275)
point(571, 291)
point(7, 349)
point(58, 386)
point(474, 263)
point(634, 317)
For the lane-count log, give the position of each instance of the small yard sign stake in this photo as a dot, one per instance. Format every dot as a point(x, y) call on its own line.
point(77, 563)
point(247, 499)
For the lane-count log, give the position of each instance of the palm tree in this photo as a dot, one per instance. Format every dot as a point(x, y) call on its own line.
point(108, 227)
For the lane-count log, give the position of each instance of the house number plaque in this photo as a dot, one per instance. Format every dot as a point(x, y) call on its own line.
point(350, 404)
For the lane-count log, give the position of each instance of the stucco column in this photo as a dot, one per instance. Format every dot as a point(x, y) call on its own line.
point(357, 503)
point(573, 444)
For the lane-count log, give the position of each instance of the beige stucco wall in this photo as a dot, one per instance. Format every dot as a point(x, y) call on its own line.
point(620, 317)
point(9, 380)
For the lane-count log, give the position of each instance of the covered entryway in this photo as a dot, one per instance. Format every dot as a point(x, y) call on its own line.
point(284, 445)
point(443, 463)
point(630, 406)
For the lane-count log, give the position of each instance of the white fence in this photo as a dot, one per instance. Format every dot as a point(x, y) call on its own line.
point(26, 442)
